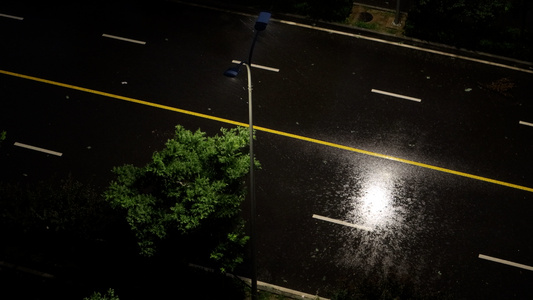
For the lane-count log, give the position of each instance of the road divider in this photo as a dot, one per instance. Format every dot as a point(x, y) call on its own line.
point(339, 222)
point(123, 39)
point(396, 95)
point(506, 262)
point(257, 66)
point(259, 128)
point(38, 149)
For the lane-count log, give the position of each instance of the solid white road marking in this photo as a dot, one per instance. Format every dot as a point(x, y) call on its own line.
point(257, 66)
point(404, 45)
point(123, 39)
point(12, 17)
point(38, 149)
point(358, 36)
point(505, 262)
point(342, 222)
point(525, 123)
point(396, 95)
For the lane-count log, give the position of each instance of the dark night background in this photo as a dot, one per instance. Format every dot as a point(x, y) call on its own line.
point(56, 221)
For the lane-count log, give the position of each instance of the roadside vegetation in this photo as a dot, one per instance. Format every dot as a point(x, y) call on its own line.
point(191, 193)
point(71, 240)
point(493, 26)
point(500, 27)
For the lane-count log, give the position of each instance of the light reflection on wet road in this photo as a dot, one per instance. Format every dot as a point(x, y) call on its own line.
point(428, 227)
point(378, 196)
point(372, 201)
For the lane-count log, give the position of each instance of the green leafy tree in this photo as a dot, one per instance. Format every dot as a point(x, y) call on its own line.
point(64, 206)
point(110, 295)
point(330, 10)
point(326, 10)
point(495, 26)
point(193, 187)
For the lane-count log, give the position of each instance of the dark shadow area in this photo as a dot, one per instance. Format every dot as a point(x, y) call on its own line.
point(60, 240)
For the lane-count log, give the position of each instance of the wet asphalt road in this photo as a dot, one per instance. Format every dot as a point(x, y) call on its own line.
point(416, 225)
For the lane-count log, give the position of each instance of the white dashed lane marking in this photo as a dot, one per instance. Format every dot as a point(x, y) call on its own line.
point(505, 262)
point(525, 123)
point(11, 17)
point(38, 149)
point(123, 39)
point(396, 95)
point(258, 66)
point(342, 223)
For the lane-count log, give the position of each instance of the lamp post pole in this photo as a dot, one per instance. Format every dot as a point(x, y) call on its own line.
point(396, 21)
point(253, 234)
point(260, 25)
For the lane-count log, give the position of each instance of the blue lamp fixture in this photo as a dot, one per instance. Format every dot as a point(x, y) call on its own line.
point(260, 25)
point(262, 21)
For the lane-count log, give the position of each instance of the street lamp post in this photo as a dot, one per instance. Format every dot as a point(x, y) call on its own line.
point(396, 21)
point(260, 25)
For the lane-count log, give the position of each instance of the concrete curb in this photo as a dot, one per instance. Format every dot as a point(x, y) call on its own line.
point(267, 287)
point(278, 290)
point(458, 52)
point(26, 270)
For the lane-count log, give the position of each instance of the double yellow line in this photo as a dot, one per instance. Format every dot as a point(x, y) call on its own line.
point(290, 135)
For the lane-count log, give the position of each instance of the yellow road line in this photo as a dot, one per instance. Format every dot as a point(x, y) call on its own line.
point(69, 86)
point(259, 128)
point(410, 162)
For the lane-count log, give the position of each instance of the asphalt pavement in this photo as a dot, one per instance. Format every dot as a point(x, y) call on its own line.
point(383, 161)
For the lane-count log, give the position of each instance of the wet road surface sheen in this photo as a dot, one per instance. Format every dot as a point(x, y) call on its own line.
point(427, 227)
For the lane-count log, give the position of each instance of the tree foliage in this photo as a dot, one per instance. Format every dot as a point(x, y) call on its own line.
point(495, 26)
point(193, 186)
point(59, 205)
point(473, 11)
point(110, 295)
point(326, 10)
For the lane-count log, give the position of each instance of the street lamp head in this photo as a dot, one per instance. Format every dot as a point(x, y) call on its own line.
point(260, 25)
point(262, 21)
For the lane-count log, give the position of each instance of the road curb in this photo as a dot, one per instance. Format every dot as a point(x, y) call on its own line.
point(267, 287)
point(26, 270)
point(279, 290)
point(474, 55)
